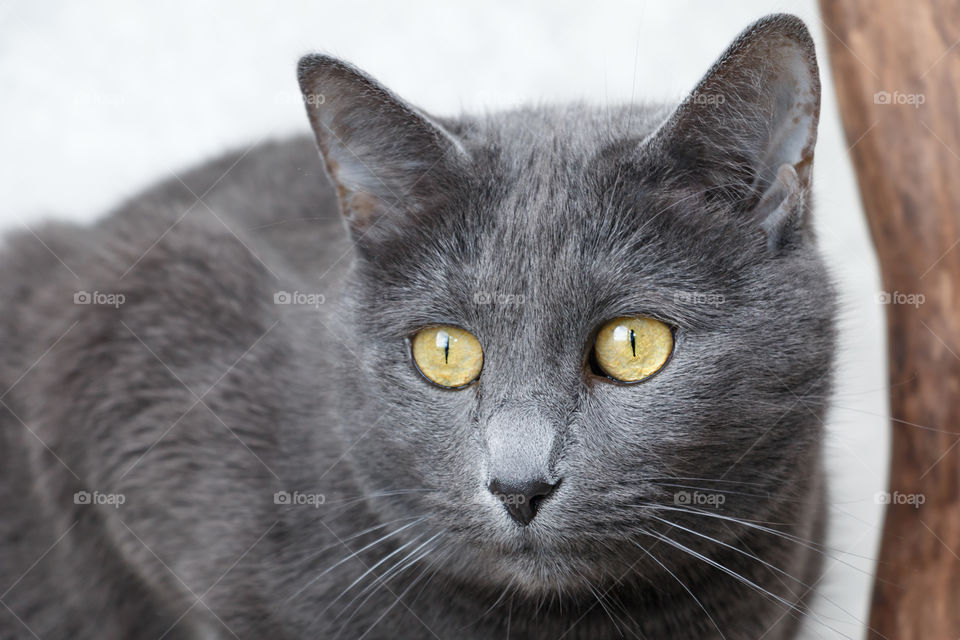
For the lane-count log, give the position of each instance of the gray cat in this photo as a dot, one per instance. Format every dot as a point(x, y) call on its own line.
point(227, 414)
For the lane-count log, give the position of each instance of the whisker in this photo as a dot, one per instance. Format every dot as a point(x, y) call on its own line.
point(657, 480)
point(445, 553)
point(685, 588)
point(343, 504)
point(354, 554)
point(395, 602)
point(369, 571)
point(495, 603)
point(730, 492)
point(813, 546)
point(398, 567)
point(752, 556)
point(750, 524)
point(370, 590)
point(746, 581)
point(318, 552)
point(603, 605)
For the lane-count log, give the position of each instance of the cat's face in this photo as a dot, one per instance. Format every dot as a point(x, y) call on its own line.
point(532, 230)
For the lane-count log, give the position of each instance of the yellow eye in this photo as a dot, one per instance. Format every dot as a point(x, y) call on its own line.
point(447, 356)
point(631, 349)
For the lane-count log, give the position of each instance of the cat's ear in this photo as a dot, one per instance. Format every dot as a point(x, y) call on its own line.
point(387, 160)
point(745, 136)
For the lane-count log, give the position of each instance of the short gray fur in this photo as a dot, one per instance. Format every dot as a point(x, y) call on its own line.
point(198, 398)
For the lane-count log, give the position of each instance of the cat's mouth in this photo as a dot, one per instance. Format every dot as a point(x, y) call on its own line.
point(536, 561)
point(531, 566)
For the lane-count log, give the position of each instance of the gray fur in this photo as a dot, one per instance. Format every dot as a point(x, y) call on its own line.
point(198, 398)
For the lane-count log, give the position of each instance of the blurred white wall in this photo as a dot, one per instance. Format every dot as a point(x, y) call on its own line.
point(102, 98)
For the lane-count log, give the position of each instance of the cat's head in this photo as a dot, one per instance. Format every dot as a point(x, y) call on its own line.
point(532, 230)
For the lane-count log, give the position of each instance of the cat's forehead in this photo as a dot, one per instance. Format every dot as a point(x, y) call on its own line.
point(553, 220)
point(542, 160)
point(546, 187)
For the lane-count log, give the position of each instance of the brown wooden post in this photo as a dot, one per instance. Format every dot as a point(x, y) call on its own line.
point(896, 66)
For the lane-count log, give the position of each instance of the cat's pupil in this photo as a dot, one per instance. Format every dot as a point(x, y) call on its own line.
point(633, 342)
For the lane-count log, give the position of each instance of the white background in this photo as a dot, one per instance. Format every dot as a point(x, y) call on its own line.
point(99, 99)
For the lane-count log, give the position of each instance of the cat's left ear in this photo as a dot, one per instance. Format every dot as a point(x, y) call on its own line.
point(745, 136)
point(389, 162)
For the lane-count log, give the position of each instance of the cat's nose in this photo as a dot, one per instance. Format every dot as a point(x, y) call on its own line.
point(521, 498)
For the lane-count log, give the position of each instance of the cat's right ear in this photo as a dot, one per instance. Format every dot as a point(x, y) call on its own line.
point(744, 138)
point(388, 161)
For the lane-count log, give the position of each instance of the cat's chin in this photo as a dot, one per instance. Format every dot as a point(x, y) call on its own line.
point(537, 570)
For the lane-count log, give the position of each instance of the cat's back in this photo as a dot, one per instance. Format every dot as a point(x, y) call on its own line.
point(269, 208)
point(178, 279)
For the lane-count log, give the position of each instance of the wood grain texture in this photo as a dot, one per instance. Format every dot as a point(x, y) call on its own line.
point(896, 67)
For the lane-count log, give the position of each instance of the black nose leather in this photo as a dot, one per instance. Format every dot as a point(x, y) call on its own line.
point(521, 498)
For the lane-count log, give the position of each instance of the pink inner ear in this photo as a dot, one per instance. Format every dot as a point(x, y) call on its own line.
point(756, 109)
point(780, 206)
point(793, 131)
point(361, 208)
point(383, 155)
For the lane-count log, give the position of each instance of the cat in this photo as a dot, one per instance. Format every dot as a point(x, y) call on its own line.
point(215, 423)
